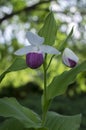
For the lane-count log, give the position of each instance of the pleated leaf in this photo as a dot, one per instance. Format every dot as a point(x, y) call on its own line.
point(9, 107)
point(56, 121)
point(18, 64)
point(42, 129)
point(49, 29)
point(64, 44)
point(11, 124)
point(60, 83)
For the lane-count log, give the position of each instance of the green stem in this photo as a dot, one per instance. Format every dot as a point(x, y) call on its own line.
point(45, 78)
point(45, 92)
point(46, 102)
point(50, 62)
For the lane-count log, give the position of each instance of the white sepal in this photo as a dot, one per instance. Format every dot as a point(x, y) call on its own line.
point(34, 39)
point(26, 50)
point(49, 49)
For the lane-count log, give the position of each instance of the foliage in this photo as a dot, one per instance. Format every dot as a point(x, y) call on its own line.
point(59, 84)
point(49, 22)
point(61, 122)
point(18, 64)
point(27, 117)
point(15, 124)
point(15, 110)
point(16, 17)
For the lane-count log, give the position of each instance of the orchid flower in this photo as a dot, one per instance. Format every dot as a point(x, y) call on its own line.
point(36, 50)
point(69, 58)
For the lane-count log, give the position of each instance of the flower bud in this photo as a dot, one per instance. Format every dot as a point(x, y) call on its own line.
point(69, 58)
point(34, 60)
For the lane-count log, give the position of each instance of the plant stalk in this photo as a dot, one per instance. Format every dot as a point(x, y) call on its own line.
point(44, 92)
point(45, 102)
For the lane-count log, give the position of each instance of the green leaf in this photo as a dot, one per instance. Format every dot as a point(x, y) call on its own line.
point(49, 29)
point(9, 107)
point(60, 83)
point(64, 44)
point(42, 129)
point(11, 124)
point(37, 128)
point(18, 64)
point(56, 121)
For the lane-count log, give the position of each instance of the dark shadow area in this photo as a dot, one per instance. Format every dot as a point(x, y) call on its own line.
point(30, 96)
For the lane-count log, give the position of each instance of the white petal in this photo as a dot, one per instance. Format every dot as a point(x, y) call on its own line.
point(65, 59)
point(26, 50)
point(69, 54)
point(34, 39)
point(48, 49)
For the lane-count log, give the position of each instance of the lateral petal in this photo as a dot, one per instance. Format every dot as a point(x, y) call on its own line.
point(49, 49)
point(25, 50)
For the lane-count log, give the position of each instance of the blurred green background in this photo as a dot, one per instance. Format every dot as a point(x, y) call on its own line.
point(19, 16)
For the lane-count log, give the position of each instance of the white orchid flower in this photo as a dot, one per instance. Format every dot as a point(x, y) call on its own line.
point(35, 51)
point(69, 58)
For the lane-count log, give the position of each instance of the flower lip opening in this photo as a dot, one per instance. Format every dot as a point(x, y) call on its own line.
point(72, 63)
